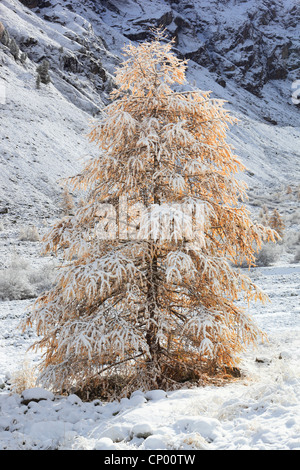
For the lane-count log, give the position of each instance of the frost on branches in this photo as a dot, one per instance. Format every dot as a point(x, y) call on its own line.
point(151, 311)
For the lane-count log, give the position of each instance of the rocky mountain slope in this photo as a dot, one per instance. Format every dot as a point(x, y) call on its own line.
point(250, 41)
point(246, 52)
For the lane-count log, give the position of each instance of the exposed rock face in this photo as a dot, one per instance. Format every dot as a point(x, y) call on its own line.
point(248, 41)
point(36, 3)
point(233, 46)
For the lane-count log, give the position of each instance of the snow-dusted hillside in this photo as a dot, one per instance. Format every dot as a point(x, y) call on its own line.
point(43, 131)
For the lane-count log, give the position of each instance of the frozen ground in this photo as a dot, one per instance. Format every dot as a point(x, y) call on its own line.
point(259, 411)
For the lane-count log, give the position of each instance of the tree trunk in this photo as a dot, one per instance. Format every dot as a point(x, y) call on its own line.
point(152, 284)
point(151, 335)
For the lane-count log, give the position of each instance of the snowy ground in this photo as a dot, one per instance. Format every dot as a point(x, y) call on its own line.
point(259, 411)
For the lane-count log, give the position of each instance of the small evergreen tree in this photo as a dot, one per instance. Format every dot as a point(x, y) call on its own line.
point(264, 216)
point(38, 82)
point(23, 57)
point(151, 311)
point(14, 48)
point(43, 72)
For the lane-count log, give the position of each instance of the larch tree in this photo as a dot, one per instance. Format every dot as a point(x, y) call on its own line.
point(264, 216)
point(276, 222)
point(146, 294)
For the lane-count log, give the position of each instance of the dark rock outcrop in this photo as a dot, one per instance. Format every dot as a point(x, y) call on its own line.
point(248, 42)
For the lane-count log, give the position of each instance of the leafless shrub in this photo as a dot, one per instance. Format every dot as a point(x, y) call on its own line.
point(14, 284)
point(297, 256)
point(21, 281)
point(23, 378)
point(268, 254)
point(29, 233)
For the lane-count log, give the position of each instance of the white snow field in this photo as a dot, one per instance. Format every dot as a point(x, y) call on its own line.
point(259, 411)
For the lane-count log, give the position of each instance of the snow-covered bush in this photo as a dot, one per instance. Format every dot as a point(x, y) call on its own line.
point(297, 256)
point(29, 233)
point(268, 254)
point(20, 281)
point(42, 278)
point(291, 241)
point(14, 282)
point(294, 217)
point(23, 378)
point(23, 57)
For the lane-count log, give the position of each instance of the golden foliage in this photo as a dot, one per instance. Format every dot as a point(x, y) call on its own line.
point(157, 312)
point(23, 378)
point(276, 222)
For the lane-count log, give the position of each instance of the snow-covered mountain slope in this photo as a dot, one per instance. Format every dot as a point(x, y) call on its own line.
point(251, 41)
point(42, 130)
point(230, 44)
